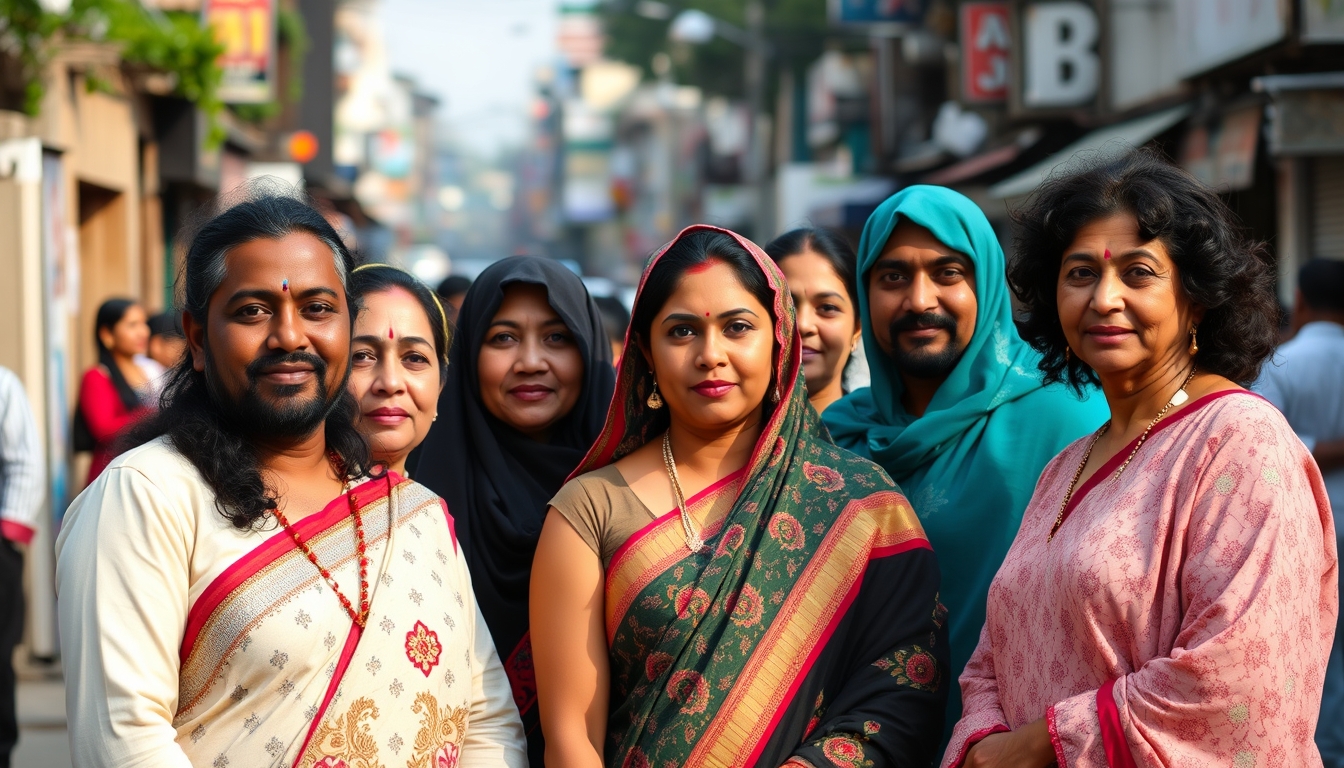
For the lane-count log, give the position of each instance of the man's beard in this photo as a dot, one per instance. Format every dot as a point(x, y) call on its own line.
point(921, 363)
point(286, 417)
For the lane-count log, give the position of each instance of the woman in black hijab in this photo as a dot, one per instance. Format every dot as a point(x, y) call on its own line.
point(529, 381)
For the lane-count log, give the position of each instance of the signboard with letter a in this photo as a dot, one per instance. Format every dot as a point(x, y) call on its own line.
point(246, 29)
point(985, 48)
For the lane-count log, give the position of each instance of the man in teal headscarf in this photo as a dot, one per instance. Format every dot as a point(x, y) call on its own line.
point(956, 412)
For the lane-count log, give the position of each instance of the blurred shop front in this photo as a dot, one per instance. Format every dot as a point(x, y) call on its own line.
point(1246, 95)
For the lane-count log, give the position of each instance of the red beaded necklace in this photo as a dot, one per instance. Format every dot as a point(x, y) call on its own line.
point(360, 617)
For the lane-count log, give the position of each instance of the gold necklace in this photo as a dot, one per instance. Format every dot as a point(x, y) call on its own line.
point(693, 540)
point(1176, 399)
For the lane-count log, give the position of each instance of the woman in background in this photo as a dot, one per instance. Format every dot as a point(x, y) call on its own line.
point(819, 266)
point(529, 381)
point(116, 391)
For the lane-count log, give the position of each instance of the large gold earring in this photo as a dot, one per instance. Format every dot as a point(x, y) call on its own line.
point(1194, 342)
point(655, 400)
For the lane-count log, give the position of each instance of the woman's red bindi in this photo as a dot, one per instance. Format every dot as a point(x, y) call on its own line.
point(1106, 254)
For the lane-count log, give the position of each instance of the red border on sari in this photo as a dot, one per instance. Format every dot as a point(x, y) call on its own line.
point(842, 611)
point(637, 536)
point(342, 664)
point(452, 524)
point(619, 603)
point(761, 687)
point(280, 543)
point(1115, 461)
point(1112, 731)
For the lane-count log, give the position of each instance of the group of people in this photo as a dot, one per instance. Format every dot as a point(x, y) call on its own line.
point(696, 547)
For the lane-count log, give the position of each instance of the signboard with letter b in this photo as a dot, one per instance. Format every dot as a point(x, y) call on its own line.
point(1061, 67)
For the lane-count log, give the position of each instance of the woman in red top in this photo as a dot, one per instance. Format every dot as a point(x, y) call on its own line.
point(111, 394)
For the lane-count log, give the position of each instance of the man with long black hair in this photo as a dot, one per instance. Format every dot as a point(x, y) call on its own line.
point(234, 590)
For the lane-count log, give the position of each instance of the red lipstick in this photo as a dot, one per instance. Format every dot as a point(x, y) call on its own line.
point(714, 388)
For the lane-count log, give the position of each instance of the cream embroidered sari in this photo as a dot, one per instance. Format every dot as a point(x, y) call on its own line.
point(273, 672)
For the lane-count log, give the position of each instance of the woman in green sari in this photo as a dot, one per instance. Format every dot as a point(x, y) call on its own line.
point(783, 607)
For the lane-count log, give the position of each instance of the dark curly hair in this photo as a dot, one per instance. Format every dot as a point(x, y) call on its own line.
point(1219, 268)
point(190, 415)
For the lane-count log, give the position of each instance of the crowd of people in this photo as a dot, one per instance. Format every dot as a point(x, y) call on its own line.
point(337, 519)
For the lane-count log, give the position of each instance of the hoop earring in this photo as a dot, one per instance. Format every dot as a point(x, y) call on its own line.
point(655, 400)
point(1194, 342)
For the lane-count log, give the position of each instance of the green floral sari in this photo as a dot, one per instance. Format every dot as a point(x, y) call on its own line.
point(808, 633)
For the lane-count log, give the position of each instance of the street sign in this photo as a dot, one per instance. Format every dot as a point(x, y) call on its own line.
point(246, 29)
point(985, 49)
point(877, 11)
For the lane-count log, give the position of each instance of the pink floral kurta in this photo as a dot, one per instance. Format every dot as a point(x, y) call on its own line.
point(1183, 614)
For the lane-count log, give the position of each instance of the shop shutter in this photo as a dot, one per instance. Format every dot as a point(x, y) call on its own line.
point(1327, 207)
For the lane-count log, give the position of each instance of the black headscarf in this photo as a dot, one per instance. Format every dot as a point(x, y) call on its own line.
point(496, 480)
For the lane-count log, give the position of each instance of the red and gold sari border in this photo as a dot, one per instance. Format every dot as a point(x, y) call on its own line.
point(279, 544)
point(655, 548)
point(877, 526)
point(342, 664)
point(634, 539)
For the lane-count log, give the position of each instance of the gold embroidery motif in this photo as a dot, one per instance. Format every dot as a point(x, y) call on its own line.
point(347, 738)
point(441, 733)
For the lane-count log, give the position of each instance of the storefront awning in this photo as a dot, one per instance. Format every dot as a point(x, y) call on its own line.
point(986, 161)
point(1101, 144)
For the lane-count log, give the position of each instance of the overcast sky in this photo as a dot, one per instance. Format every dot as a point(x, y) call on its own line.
point(477, 56)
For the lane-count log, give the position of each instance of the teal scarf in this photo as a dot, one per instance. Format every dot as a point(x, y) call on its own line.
point(969, 465)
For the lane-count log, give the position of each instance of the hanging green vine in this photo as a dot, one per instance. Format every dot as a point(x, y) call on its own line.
point(174, 43)
point(26, 30)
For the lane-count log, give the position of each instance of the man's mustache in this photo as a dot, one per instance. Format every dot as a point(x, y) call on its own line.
point(257, 368)
point(922, 321)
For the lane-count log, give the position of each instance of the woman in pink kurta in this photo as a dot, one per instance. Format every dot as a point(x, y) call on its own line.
point(1171, 596)
point(1167, 623)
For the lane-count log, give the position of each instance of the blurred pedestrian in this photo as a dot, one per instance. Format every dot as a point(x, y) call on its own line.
point(116, 391)
point(615, 319)
point(722, 586)
point(956, 413)
point(1305, 380)
point(246, 588)
point(819, 266)
point(22, 489)
point(1172, 593)
point(167, 345)
point(453, 291)
point(528, 383)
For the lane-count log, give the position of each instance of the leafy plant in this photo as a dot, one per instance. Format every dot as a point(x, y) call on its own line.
point(175, 43)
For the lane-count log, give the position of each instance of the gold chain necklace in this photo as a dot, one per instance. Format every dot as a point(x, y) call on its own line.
point(693, 540)
point(1176, 399)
